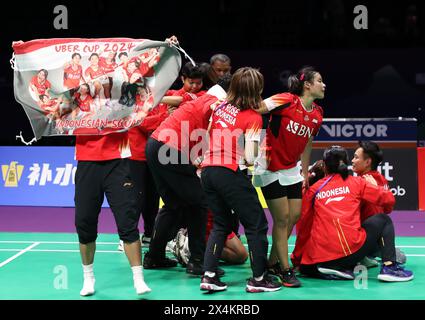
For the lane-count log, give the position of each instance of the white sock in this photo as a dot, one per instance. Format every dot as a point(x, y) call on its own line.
point(139, 282)
point(89, 280)
point(259, 278)
point(209, 274)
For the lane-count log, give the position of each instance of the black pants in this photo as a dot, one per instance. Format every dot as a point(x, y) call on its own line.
point(180, 189)
point(379, 231)
point(112, 178)
point(226, 190)
point(149, 200)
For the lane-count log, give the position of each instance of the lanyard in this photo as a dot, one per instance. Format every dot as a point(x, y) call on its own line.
point(321, 187)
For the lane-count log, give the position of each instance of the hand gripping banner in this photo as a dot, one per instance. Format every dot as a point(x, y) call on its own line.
point(91, 86)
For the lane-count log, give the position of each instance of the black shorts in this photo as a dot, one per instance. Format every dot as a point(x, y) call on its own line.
point(275, 191)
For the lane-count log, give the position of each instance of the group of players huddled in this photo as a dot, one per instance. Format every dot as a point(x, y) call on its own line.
point(203, 150)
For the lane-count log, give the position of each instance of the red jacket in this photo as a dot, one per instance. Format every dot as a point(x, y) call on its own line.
point(368, 209)
point(139, 135)
point(330, 227)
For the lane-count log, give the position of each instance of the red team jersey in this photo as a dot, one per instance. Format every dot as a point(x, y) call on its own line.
point(229, 125)
point(187, 96)
point(129, 75)
point(71, 77)
point(144, 68)
point(330, 228)
point(41, 87)
point(183, 121)
point(102, 148)
point(368, 209)
point(49, 104)
point(93, 74)
point(108, 67)
point(83, 104)
point(289, 130)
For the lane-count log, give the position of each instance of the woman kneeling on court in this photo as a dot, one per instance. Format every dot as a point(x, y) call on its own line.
point(331, 240)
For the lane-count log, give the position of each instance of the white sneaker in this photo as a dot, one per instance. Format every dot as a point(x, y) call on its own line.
point(121, 246)
point(171, 245)
point(400, 256)
point(88, 287)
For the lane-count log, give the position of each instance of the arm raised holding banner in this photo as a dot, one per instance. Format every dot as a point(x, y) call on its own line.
point(33, 57)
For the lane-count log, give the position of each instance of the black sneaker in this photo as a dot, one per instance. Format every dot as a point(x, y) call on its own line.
point(196, 269)
point(265, 285)
point(212, 284)
point(289, 279)
point(275, 269)
point(156, 263)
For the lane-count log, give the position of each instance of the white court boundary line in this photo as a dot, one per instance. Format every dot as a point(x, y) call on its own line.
point(53, 250)
point(111, 251)
point(56, 242)
point(21, 252)
point(34, 244)
point(116, 243)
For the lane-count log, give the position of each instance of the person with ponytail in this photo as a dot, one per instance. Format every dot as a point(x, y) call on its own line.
point(331, 239)
point(233, 146)
point(294, 121)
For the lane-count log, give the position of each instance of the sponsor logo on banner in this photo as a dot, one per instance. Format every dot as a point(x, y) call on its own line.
point(356, 130)
point(384, 168)
point(11, 174)
point(399, 169)
point(398, 191)
point(39, 174)
point(42, 175)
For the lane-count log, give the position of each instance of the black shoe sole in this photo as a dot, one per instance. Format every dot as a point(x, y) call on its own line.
point(194, 273)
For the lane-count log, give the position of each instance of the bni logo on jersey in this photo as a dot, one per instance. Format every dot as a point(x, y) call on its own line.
point(12, 173)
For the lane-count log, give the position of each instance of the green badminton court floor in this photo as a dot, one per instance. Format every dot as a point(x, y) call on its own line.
point(47, 266)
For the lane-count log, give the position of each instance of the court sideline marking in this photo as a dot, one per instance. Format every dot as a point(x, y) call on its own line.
point(19, 254)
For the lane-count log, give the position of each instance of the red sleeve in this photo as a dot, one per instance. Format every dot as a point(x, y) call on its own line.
point(303, 227)
point(376, 195)
point(151, 122)
point(253, 127)
point(48, 84)
point(278, 102)
point(188, 97)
